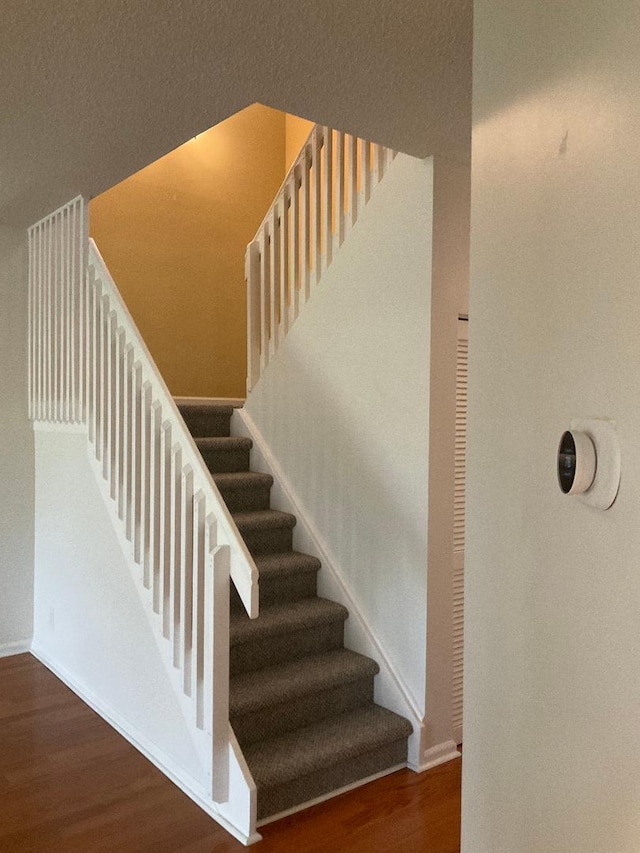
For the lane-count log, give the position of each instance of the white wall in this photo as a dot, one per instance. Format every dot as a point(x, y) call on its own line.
point(16, 449)
point(552, 714)
point(345, 410)
point(89, 622)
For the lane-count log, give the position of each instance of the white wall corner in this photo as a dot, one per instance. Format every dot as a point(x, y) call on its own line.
point(18, 647)
point(390, 689)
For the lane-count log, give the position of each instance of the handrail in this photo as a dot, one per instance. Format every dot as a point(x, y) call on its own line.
point(317, 204)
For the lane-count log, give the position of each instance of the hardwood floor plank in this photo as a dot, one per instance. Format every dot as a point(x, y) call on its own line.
point(69, 783)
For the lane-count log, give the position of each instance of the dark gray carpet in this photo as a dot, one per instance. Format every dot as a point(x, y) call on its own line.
point(301, 704)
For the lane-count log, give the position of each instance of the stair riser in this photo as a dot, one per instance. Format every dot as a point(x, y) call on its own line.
point(280, 719)
point(207, 424)
point(282, 648)
point(272, 540)
point(225, 461)
point(282, 589)
point(246, 500)
point(274, 800)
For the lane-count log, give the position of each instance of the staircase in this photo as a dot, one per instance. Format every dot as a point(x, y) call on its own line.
point(301, 705)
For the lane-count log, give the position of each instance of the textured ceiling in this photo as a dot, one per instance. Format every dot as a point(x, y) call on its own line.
point(92, 90)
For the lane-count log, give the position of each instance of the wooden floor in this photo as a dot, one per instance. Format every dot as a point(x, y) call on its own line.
point(69, 782)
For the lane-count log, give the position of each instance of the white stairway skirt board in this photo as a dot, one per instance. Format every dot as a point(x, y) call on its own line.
point(360, 635)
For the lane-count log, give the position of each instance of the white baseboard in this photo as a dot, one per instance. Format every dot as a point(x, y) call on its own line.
point(439, 754)
point(236, 402)
point(7, 650)
point(171, 769)
point(395, 693)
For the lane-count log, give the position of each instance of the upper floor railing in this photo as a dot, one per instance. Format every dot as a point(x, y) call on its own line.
point(319, 201)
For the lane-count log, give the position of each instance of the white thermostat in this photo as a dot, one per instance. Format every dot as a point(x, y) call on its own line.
point(588, 462)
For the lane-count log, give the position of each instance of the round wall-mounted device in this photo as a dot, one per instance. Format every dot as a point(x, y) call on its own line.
point(588, 462)
point(576, 462)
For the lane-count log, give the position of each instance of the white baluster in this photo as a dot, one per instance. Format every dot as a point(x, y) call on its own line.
point(305, 230)
point(340, 188)
point(129, 446)
point(69, 401)
point(97, 367)
point(265, 289)
point(274, 276)
point(119, 419)
point(50, 412)
point(294, 241)
point(201, 545)
point(220, 721)
point(254, 323)
point(365, 157)
point(31, 330)
point(111, 407)
point(136, 488)
point(317, 205)
point(327, 196)
point(283, 259)
point(90, 352)
point(208, 613)
point(166, 488)
point(105, 381)
point(176, 552)
point(378, 163)
point(157, 494)
point(147, 496)
point(55, 320)
point(186, 579)
point(39, 322)
point(354, 198)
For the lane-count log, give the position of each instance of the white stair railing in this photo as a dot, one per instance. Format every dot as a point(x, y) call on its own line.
point(90, 366)
point(319, 201)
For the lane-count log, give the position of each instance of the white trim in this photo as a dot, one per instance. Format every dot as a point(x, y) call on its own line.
point(236, 402)
point(439, 754)
point(331, 794)
point(19, 647)
point(171, 769)
point(395, 692)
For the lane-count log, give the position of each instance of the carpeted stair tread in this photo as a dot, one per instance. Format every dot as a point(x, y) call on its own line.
point(223, 442)
point(242, 480)
point(285, 563)
point(204, 419)
point(285, 618)
point(263, 519)
point(333, 741)
point(192, 409)
point(251, 691)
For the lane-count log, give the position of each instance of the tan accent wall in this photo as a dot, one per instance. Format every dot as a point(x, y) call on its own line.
point(174, 236)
